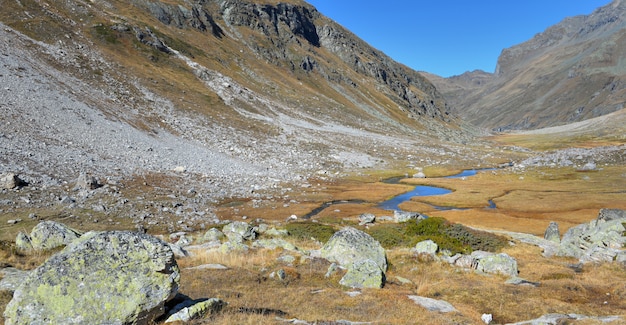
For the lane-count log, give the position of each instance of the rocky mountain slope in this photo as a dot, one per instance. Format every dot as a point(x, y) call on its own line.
point(572, 71)
point(238, 94)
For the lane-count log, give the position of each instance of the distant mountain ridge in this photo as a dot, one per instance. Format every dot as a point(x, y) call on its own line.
point(574, 70)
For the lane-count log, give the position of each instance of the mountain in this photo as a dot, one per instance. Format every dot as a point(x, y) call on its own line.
point(245, 94)
point(573, 71)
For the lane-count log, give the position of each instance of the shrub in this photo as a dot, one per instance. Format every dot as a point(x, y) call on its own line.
point(476, 239)
point(308, 230)
point(389, 235)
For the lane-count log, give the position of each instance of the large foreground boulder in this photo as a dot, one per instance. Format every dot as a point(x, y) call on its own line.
point(116, 277)
point(361, 254)
point(350, 245)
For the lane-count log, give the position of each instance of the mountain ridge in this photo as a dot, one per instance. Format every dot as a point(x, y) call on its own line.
point(570, 72)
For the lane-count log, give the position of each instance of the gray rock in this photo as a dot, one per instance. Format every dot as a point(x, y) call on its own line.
point(273, 232)
point(427, 247)
point(238, 231)
point(116, 277)
point(419, 175)
point(22, 241)
point(213, 234)
point(363, 274)
point(350, 245)
point(86, 182)
point(404, 216)
point(12, 278)
point(366, 218)
point(9, 181)
point(178, 251)
point(233, 246)
point(600, 240)
point(433, 304)
point(51, 234)
point(552, 233)
point(496, 264)
point(194, 309)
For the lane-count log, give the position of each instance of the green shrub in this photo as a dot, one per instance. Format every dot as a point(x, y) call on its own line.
point(389, 235)
point(307, 230)
point(476, 239)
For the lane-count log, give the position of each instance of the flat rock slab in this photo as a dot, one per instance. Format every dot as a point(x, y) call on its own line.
point(433, 304)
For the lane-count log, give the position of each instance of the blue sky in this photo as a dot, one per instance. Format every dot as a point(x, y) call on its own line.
point(450, 37)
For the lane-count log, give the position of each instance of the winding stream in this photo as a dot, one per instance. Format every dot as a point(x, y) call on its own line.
point(420, 190)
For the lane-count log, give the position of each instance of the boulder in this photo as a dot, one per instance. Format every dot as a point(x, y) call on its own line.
point(238, 231)
point(9, 181)
point(404, 216)
point(116, 277)
point(419, 175)
point(600, 240)
point(213, 234)
point(427, 247)
point(552, 233)
point(366, 218)
point(350, 245)
point(495, 263)
point(363, 274)
point(51, 234)
point(194, 309)
point(22, 241)
point(86, 182)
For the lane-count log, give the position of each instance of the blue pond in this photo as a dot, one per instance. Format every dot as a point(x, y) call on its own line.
point(393, 203)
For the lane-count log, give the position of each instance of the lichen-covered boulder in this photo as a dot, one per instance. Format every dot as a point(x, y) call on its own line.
point(115, 277)
point(213, 235)
point(426, 247)
point(51, 234)
point(22, 241)
point(350, 245)
point(495, 263)
point(600, 240)
point(363, 274)
point(238, 231)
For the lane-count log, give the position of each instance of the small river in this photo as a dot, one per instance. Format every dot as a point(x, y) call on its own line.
point(420, 190)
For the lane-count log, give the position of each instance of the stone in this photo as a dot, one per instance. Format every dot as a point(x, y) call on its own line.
point(213, 234)
point(486, 318)
point(433, 304)
point(116, 277)
point(238, 231)
point(9, 181)
point(363, 274)
point(495, 263)
point(554, 319)
point(350, 245)
point(552, 233)
point(366, 218)
point(11, 278)
point(194, 309)
point(404, 216)
point(51, 234)
point(86, 182)
point(22, 241)
point(178, 251)
point(427, 247)
point(419, 175)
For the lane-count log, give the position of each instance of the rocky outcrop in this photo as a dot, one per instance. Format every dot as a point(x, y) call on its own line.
point(601, 240)
point(487, 262)
point(552, 233)
point(103, 278)
point(238, 231)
